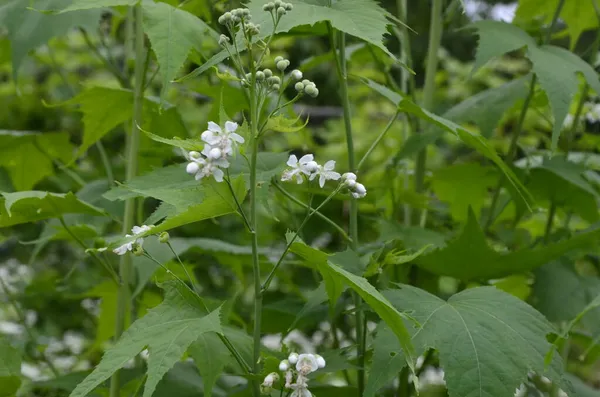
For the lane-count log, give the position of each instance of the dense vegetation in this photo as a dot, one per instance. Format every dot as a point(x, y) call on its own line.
point(314, 198)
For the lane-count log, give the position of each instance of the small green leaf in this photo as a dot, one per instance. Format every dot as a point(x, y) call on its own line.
point(10, 369)
point(281, 123)
point(167, 331)
point(32, 206)
point(20, 151)
point(555, 67)
point(173, 32)
point(187, 144)
point(488, 341)
point(469, 257)
point(29, 28)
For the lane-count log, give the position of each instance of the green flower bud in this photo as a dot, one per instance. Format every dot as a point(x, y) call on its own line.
point(222, 20)
point(266, 7)
point(99, 242)
point(246, 12)
point(276, 87)
point(306, 82)
point(271, 6)
point(278, 3)
point(283, 64)
point(237, 12)
point(260, 76)
point(163, 237)
point(236, 19)
point(289, 7)
point(138, 250)
point(281, 11)
point(227, 16)
point(299, 87)
point(274, 80)
point(223, 40)
point(311, 90)
point(268, 72)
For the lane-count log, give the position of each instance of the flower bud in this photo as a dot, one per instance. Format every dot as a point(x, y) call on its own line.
point(289, 7)
point(276, 87)
point(194, 155)
point(283, 64)
point(138, 250)
point(311, 90)
point(246, 13)
point(284, 365)
point(227, 16)
point(99, 242)
point(350, 183)
point(296, 74)
point(192, 168)
point(274, 80)
point(349, 175)
point(221, 20)
point(215, 153)
point(306, 82)
point(260, 76)
point(360, 189)
point(163, 237)
point(320, 361)
point(268, 72)
point(281, 11)
point(299, 87)
point(278, 3)
point(293, 358)
point(270, 6)
point(223, 40)
point(311, 166)
point(278, 58)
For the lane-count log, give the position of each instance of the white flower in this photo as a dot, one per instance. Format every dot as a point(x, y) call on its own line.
point(320, 361)
point(123, 249)
point(359, 191)
point(284, 365)
point(306, 364)
point(215, 137)
point(203, 167)
point(301, 392)
point(270, 379)
point(325, 173)
point(293, 358)
point(297, 168)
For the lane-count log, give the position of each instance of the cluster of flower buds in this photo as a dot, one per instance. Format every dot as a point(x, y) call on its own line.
point(239, 17)
point(307, 87)
point(136, 245)
point(296, 369)
point(308, 168)
point(266, 78)
point(281, 63)
point(219, 146)
point(357, 190)
point(278, 8)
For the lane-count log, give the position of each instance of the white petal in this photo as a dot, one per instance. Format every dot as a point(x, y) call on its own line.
point(334, 176)
point(210, 137)
point(292, 161)
point(218, 174)
point(230, 126)
point(200, 175)
point(299, 179)
point(306, 158)
point(360, 188)
point(322, 180)
point(122, 250)
point(214, 127)
point(138, 229)
point(329, 166)
point(237, 137)
point(192, 168)
point(349, 176)
point(223, 163)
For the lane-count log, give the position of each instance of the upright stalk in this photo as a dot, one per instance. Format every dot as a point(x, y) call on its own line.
point(125, 266)
point(339, 52)
point(512, 150)
point(435, 38)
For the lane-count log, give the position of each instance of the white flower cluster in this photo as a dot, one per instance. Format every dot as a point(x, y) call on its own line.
point(130, 246)
point(219, 145)
point(308, 168)
point(296, 368)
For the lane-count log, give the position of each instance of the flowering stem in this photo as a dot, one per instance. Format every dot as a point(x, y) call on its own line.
point(377, 140)
point(237, 203)
point(319, 214)
point(125, 266)
point(289, 245)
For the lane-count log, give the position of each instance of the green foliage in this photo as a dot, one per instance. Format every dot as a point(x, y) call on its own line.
point(469, 257)
point(555, 67)
point(32, 206)
point(10, 369)
point(90, 4)
point(29, 29)
point(167, 331)
point(22, 150)
point(487, 340)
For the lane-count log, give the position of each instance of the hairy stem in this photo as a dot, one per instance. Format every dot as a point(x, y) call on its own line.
point(125, 266)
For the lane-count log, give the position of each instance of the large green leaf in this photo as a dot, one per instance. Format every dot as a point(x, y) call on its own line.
point(364, 19)
point(23, 151)
point(475, 141)
point(10, 369)
point(167, 331)
point(89, 4)
point(488, 341)
point(555, 67)
point(29, 29)
point(579, 15)
point(388, 360)
point(469, 257)
point(31, 206)
point(173, 32)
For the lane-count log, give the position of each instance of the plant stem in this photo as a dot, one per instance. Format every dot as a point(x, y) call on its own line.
point(435, 38)
point(549, 222)
point(339, 53)
point(512, 150)
point(106, 163)
point(125, 266)
point(377, 140)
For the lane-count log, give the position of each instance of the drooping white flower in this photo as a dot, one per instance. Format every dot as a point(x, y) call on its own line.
point(298, 167)
point(306, 364)
point(325, 172)
point(136, 230)
point(202, 167)
point(225, 140)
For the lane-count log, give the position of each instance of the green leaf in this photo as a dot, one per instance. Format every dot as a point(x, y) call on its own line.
point(474, 180)
point(187, 144)
point(555, 67)
point(470, 138)
point(469, 257)
point(89, 4)
point(107, 291)
point(388, 360)
point(173, 32)
point(487, 340)
point(167, 331)
point(579, 15)
point(281, 123)
point(22, 151)
point(29, 29)
point(31, 206)
point(10, 369)
point(581, 388)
